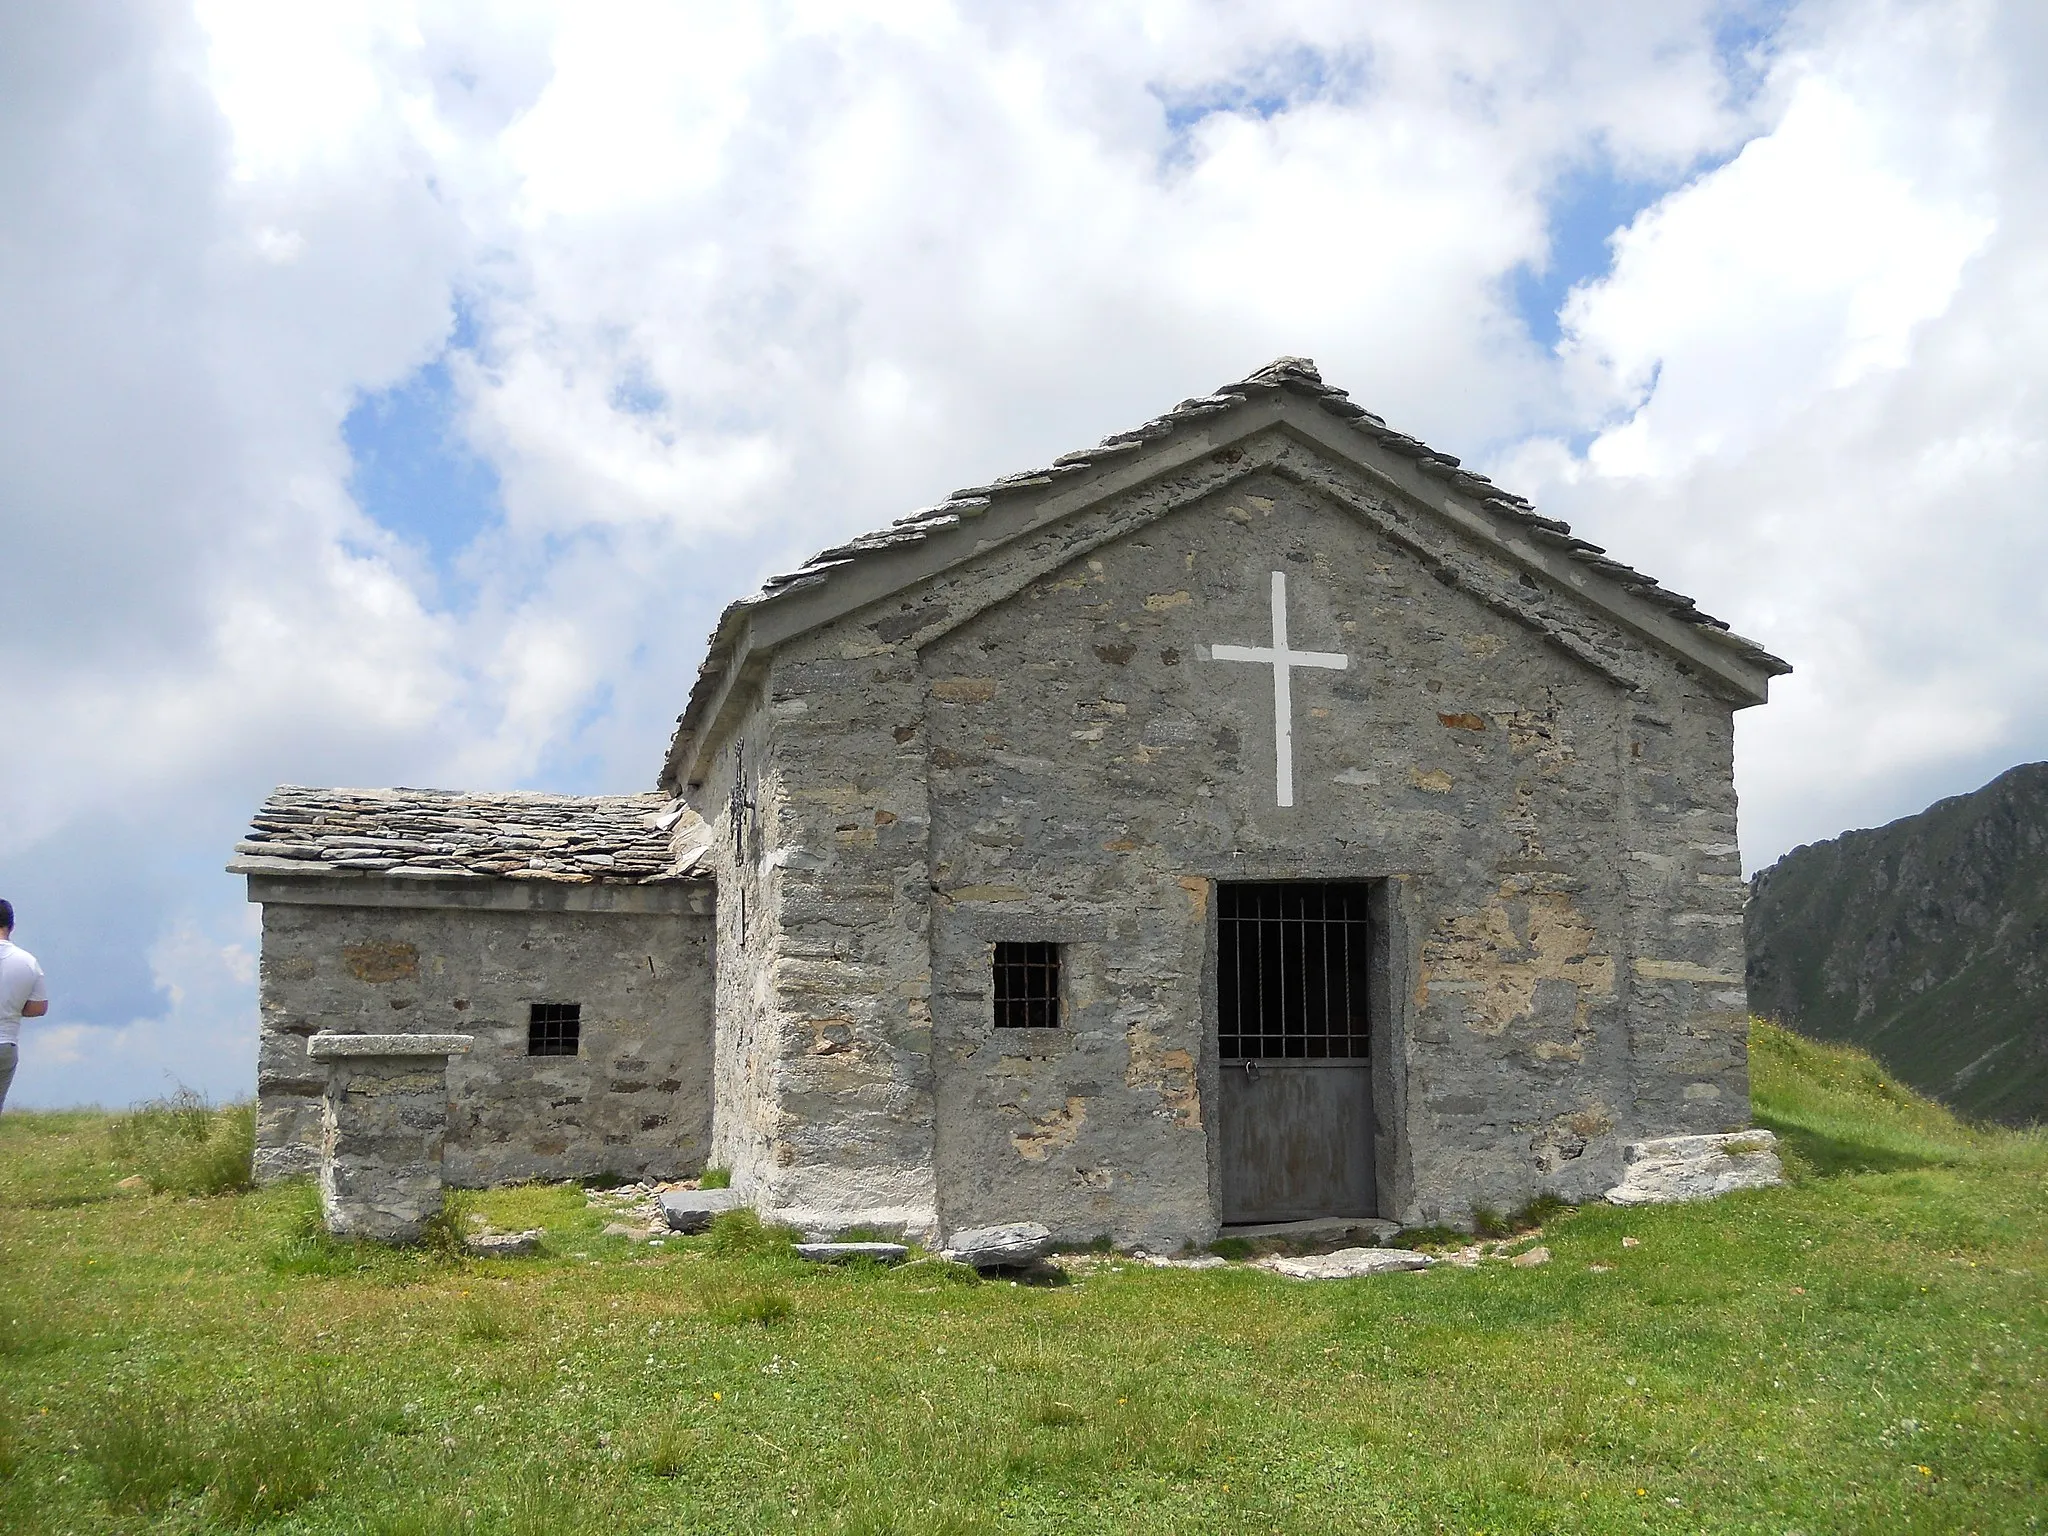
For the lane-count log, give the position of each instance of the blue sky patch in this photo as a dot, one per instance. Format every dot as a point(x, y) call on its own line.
point(89, 915)
point(638, 395)
point(1590, 203)
point(414, 474)
point(1745, 35)
point(1272, 85)
point(572, 765)
point(1587, 206)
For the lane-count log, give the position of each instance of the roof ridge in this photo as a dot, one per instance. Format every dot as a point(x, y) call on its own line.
point(1293, 375)
point(1297, 375)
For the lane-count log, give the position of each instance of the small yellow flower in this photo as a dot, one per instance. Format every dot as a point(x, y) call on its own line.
point(1923, 1471)
point(718, 1397)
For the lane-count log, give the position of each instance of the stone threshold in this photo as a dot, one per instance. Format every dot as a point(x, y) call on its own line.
point(1316, 1230)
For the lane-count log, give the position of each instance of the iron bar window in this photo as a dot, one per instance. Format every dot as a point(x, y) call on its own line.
point(554, 1029)
point(1027, 986)
point(1292, 966)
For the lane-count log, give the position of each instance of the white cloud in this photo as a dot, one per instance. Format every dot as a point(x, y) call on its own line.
point(643, 103)
point(1825, 358)
point(1801, 266)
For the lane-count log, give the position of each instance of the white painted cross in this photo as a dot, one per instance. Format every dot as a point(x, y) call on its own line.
point(1282, 661)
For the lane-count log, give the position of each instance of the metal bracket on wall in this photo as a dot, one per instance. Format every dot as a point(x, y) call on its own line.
point(744, 811)
point(743, 808)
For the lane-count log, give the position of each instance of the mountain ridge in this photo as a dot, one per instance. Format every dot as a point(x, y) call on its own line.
point(1924, 941)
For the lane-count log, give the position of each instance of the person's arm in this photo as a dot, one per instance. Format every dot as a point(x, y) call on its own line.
point(36, 1009)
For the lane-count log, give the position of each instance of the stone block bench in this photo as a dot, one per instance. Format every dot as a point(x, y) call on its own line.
point(383, 1125)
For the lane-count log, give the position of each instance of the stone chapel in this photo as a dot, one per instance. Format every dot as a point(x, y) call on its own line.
point(1257, 817)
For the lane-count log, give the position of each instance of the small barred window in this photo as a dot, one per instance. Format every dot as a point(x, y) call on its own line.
point(554, 1029)
point(1027, 986)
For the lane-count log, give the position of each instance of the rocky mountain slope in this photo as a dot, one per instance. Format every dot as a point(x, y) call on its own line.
point(1925, 942)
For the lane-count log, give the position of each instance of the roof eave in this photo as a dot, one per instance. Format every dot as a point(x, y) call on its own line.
point(1741, 666)
point(272, 886)
point(319, 869)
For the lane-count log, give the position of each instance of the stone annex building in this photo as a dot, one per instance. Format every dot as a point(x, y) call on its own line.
point(1256, 817)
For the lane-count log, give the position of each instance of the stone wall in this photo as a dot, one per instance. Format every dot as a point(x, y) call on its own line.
point(1038, 745)
point(1688, 1000)
point(825, 1088)
point(469, 959)
point(1096, 772)
point(748, 1052)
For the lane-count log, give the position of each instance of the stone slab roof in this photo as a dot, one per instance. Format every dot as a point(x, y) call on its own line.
point(457, 834)
point(1294, 375)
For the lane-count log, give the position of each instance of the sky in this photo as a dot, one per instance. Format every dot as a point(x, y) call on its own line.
point(393, 393)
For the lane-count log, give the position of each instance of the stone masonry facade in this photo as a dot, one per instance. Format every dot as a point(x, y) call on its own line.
point(634, 1101)
point(1032, 742)
point(1006, 720)
point(455, 946)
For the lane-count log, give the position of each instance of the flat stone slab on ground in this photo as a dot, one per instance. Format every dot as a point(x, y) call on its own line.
point(838, 1232)
point(1322, 1229)
point(693, 1210)
point(1347, 1263)
point(504, 1245)
point(1014, 1245)
point(1674, 1168)
point(840, 1253)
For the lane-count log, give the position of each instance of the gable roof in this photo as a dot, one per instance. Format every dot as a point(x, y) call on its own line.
point(1500, 517)
point(455, 834)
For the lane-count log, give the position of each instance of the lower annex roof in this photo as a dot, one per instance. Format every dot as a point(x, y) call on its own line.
point(458, 834)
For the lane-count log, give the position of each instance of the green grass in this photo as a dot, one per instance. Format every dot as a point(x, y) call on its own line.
point(1782, 1360)
point(1837, 1110)
point(183, 1145)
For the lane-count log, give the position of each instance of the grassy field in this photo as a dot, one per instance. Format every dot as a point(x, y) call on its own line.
point(1862, 1351)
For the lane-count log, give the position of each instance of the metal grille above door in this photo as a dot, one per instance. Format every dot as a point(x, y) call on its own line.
point(1292, 960)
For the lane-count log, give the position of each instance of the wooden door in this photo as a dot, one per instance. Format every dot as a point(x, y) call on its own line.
point(1295, 1118)
point(1296, 1142)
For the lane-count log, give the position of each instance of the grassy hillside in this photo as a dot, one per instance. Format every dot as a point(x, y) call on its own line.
point(1926, 943)
point(1862, 1351)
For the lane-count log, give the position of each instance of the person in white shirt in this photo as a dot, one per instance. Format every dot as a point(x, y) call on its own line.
point(21, 996)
